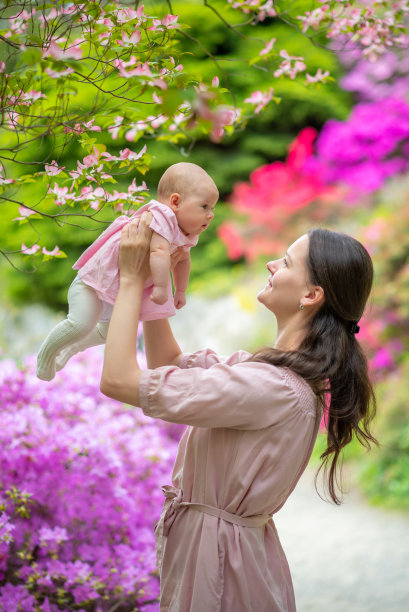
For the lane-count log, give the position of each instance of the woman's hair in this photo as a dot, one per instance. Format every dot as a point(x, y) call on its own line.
point(330, 359)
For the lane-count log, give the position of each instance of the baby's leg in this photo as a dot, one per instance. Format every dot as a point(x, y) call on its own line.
point(83, 315)
point(96, 337)
point(159, 261)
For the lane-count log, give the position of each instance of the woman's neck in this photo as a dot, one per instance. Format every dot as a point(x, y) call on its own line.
point(289, 336)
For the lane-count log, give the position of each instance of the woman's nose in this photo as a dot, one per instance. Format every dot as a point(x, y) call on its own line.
point(271, 266)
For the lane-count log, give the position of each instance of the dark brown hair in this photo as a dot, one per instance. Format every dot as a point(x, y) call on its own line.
point(330, 358)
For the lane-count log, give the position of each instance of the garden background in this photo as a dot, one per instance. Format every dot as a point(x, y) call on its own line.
point(301, 116)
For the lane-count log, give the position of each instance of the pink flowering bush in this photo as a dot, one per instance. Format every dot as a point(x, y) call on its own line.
point(274, 203)
point(80, 482)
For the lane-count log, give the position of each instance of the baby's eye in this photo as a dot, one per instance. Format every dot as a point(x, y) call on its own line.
point(285, 262)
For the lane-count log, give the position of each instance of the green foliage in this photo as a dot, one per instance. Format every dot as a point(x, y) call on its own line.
point(385, 477)
point(206, 47)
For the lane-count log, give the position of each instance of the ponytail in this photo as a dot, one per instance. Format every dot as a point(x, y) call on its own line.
point(330, 358)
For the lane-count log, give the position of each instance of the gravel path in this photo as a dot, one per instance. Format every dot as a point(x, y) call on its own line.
point(348, 558)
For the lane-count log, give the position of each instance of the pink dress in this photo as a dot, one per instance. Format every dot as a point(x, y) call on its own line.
point(252, 428)
point(98, 265)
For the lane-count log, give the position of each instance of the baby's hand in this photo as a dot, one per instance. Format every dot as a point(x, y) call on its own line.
point(179, 299)
point(159, 295)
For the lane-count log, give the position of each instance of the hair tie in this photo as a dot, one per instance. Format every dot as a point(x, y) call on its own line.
point(354, 329)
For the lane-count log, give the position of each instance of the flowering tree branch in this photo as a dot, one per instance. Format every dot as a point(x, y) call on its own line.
point(114, 70)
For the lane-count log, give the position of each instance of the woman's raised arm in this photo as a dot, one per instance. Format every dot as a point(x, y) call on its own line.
point(161, 347)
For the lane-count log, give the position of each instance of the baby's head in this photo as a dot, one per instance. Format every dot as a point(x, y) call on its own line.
point(192, 195)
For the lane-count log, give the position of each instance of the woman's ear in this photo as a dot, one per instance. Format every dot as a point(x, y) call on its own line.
point(174, 201)
point(314, 297)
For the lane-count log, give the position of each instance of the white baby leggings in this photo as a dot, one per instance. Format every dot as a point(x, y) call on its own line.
point(86, 325)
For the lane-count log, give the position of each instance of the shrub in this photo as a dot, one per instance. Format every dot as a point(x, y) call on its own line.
point(80, 482)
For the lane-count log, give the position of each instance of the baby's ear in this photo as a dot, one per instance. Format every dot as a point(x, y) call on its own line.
point(174, 201)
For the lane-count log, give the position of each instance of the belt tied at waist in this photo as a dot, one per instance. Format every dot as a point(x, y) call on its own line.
point(174, 502)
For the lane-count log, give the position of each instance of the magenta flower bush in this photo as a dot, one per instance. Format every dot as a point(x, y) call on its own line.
point(80, 482)
point(371, 146)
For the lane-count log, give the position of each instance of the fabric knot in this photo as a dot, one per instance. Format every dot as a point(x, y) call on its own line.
point(174, 499)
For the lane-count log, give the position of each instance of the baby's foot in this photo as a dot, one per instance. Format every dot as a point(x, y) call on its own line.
point(159, 295)
point(45, 368)
point(62, 359)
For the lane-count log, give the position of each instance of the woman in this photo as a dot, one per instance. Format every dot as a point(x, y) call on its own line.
point(253, 419)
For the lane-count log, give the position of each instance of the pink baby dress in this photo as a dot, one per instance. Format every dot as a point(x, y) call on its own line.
point(252, 428)
point(98, 265)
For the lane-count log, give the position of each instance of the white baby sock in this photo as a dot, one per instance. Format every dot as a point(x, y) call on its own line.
point(96, 337)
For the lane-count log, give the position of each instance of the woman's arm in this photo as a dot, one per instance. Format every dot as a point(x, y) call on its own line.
point(161, 347)
point(121, 372)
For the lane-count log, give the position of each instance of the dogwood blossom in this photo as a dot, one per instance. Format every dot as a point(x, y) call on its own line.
point(260, 99)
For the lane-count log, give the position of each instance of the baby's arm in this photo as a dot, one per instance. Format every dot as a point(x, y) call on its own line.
point(159, 261)
point(180, 275)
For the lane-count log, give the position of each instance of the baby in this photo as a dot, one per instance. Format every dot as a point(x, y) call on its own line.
point(186, 199)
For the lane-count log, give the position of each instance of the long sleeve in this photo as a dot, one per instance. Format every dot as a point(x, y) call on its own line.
point(206, 358)
point(247, 395)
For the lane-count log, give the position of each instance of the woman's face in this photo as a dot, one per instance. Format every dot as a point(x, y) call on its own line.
point(287, 283)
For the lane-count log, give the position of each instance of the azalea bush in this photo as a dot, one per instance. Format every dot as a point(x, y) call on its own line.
point(80, 492)
point(277, 203)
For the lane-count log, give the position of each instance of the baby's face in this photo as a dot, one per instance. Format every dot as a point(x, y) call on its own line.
point(196, 210)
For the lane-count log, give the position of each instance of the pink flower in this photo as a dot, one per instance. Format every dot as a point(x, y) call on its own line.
point(131, 134)
point(61, 54)
point(383, 359)
point(127, 14)
point(91, 160)
point(53, 169)
point(53, 253)
point(32, 96)
point(221, 117)
point(25, 213)
point(77, 129)
point(4, 181)
point(54, 74)
point(125, 154)
point(259, 99)
point(291, 65)
point(61, 193)
point(160, 83)
point(215, 81)
point(140, 70)
point(114, 129)
point(30, 250)
point(319, 76)
point(133, 39)
point(133, 188)
point(169, 21)
point(232, 239)
point(89, 125)
point(268, 47)
point(314, 18)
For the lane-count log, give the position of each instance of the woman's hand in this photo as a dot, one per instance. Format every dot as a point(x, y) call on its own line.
point(134, 249)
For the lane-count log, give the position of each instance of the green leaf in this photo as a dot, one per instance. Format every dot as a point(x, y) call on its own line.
point(171, 100)
point(31, 56)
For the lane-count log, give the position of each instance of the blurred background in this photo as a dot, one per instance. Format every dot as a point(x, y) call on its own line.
point(334, 155)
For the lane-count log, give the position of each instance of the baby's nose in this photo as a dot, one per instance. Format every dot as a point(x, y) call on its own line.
point(210, 215)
